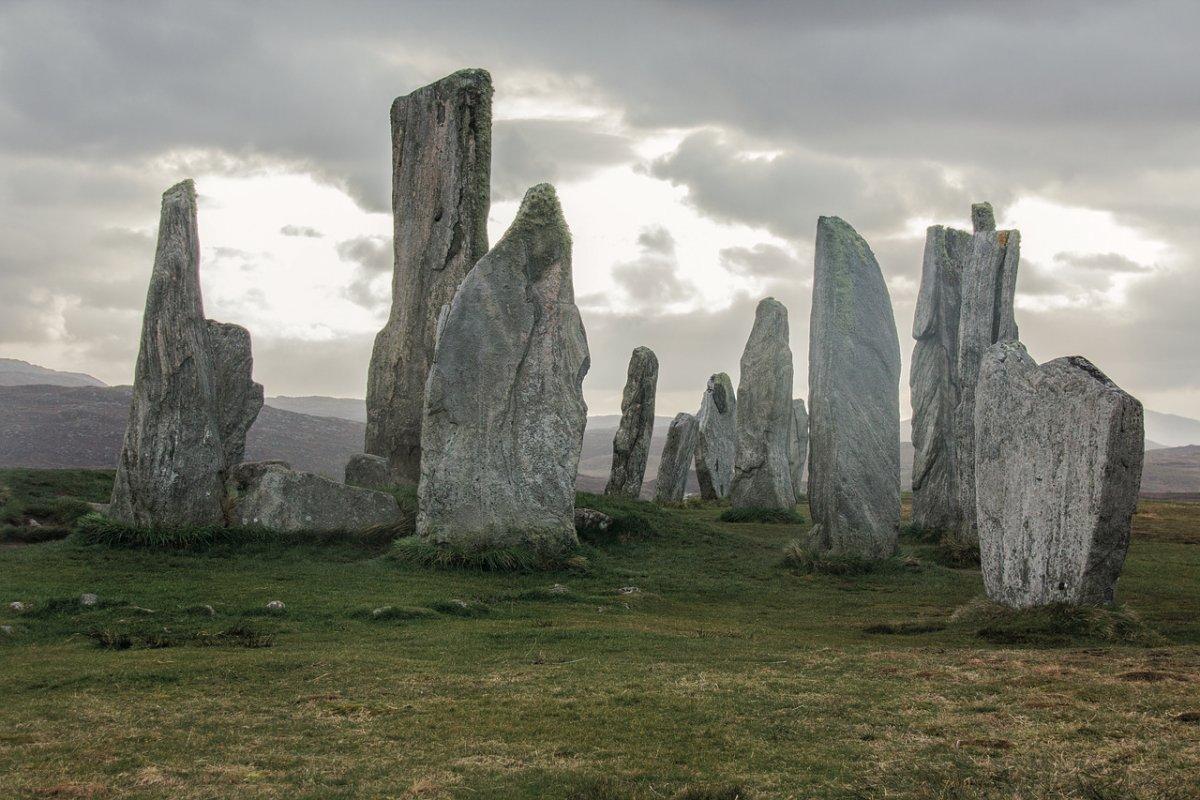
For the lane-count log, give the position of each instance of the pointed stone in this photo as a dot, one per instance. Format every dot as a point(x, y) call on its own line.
point(761, 475)
point(988, 290)
point(631, 444)
point(716, 438)
point(798, 452)
point(934, 381)
point(676, 462)
point(983, 218)
point(504, 413)
point(1058, 467)
point(238, 397)
point(854, 413)
point(170, 472)
point(441, 163)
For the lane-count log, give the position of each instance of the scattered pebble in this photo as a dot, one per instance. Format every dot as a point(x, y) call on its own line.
point(460, 603)
point(275, 605)
point(212, 612)
point(33, 523)
point(558, 588)
point(379, 612)
point(16, 606)
point(628, 590)
point(7, 630)
point(88, 599)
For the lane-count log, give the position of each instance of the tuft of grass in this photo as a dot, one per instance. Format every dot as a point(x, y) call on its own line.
point(806, 561)
point(240, 635)
point(770, 516)
point(1055, 625)
point(608, 788)
point(459, 608)
point(956, 552)
point(395, 613)
point(415, 551)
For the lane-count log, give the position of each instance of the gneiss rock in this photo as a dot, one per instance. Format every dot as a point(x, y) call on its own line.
point(762, 477)
point(588, 519)
point(716, 438)
point(441, 165)
point(89, 599)
point(988, 288)
point(934, 381)
point(854, 413)
point(269, 494)
point(193, 399)
point(631, 444)
point(369, 472)
point(798, 446)
point(676, 461)
point(1058, 468)
point(505, 414)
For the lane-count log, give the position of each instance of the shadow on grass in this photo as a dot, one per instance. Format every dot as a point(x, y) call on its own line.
point(768, 516)
point(415, 551)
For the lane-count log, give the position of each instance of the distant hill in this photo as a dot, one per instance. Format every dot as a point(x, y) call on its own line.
point(349, 408)
point(61, 426)
point(14, 372)
point(1172, 470)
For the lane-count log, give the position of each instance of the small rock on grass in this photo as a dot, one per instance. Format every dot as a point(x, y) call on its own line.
point(276, 605)
point(16, 606)
point(7, 630)
point(89, 599)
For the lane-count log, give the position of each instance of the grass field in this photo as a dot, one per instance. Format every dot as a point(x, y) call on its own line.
point(686, 662)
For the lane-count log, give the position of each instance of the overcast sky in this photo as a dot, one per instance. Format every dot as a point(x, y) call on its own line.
point(693, 145)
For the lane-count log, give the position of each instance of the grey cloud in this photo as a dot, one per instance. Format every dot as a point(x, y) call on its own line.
point(762, 261)
point(303, 231)
point(1101, 262)
point(652, 279)
point(373, 257)
point(530, 151)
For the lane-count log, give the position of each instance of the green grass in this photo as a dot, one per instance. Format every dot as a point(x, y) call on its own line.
point(770, 516)
point(53, 499)
point(415, 551)
point(687, 662)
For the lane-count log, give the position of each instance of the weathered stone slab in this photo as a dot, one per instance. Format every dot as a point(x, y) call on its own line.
point(369, 472)
point(934, 381)
point(762, 477)
point(273, 496)
point(238, 397)
point(1058, 468)
point(631, 444)
point(441, 172)
point(170, 472)
point(505, 413)
point(798, 450)
point(988, 289)
point(983, 218)
point(716, 438)
point(676, 461)
point(854, 413)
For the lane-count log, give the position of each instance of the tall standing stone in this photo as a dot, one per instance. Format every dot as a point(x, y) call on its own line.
point(441, 164)
point(933, 379)
point(762, 477)
point(193, 398)
point(676, 462)
point(716, 438)
point(1058, 468)
point(631, 444)
point(988, 288)
point(854, 413)
point(504, 408)
point(798, 451)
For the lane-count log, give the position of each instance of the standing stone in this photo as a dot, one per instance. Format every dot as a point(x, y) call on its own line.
point(441, 163)
point(989, 285)
point(798, 450)
point(934, 381)
point(762, 477)
point(505, 414)
point(1058, 468)
point(239, 398)
point(269, 494)
point(854, 402)
point(368, 471)
point(676, 460)
point(716, 438)
point(170, 472)
point(631, 444)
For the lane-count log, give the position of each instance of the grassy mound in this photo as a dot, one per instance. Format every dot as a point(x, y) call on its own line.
point(1054, 625)
point(769, 516)
point(946, 548)
point(41, 505)
point(805, 561)
point(415, 551)
point(632, 519)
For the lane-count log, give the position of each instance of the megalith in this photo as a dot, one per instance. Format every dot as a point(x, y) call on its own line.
point(504, 408)
point(798, 446)
point(193, 396)
point(271, 495)
point(1059, 451)
point(854, 413)
point(368, 472)
point(716, 438)
point(762, 477)
point(631, 444)
point(676, 461)
point(441, 164)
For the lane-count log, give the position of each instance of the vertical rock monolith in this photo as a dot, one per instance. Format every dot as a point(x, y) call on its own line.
point(1058, 467)
point(504, 408)
point(798, 450)
point(716, 438)
point(989, 285)
point(854, 413)
point(631, 444)
point(762, 477)
point(441, 165)
point(193, 396)
point(676, 462)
